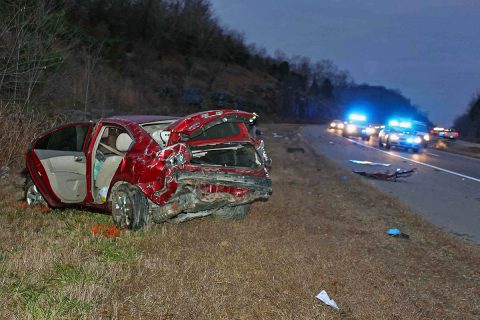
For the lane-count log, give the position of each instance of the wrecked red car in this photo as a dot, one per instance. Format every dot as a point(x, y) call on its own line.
point(158, 168)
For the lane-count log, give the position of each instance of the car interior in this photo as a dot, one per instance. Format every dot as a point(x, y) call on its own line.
point(109, 152)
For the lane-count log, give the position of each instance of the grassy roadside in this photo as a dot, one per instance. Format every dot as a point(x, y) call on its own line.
point(318, 231)
point(460, 147)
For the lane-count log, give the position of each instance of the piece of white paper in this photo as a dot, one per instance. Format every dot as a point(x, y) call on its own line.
point(323, 296)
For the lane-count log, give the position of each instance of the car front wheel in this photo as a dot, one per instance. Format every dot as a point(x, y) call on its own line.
point(129, 207)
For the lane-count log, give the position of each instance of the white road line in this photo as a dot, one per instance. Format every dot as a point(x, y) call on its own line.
point(432, 154)
point(416, 161)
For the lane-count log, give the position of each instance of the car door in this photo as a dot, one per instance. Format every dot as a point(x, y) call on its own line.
point(60, 154)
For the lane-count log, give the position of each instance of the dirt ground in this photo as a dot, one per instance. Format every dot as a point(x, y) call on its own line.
point(322, 229)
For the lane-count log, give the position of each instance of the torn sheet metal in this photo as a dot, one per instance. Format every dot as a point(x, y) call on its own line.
point(370, 163)
point(387, 175)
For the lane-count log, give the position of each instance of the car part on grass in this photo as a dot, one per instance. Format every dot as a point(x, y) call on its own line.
point(387, 175)
point(323, 296)
point(371, 163)
point(295, 149)
point(397, 233)
point(107, 231)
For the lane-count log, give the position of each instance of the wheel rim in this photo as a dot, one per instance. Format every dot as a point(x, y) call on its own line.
point(123, 209)
point(34, 196)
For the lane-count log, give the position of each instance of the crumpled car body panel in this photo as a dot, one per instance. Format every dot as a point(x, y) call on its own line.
point(192, 171)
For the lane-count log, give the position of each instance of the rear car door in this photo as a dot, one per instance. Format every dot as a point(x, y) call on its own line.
point(58, 163)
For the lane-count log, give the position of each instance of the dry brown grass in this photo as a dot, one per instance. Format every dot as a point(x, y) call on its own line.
point(318, 231)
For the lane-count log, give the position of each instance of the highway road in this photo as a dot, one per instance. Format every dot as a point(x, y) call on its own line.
point(445, 189)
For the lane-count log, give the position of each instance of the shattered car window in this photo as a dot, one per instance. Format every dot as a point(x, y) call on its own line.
point(157, 131)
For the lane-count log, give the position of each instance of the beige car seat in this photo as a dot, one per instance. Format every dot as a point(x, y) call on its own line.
point(111, 164)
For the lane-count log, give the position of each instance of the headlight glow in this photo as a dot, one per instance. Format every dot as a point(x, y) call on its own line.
point(370, 131)
point(333, 124)
point(417, 140)
point(340, 126)
point(358, 117)
point(394, 137)
point(351, 128)
point(426, 137)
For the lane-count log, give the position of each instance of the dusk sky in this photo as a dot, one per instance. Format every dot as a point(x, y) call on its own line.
point(428, 49)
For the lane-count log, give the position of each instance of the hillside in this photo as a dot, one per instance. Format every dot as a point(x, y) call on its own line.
point(84, 59)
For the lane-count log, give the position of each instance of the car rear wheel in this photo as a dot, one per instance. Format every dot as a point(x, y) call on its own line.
point(32, 195)
point(129, 207)
point(235, 213)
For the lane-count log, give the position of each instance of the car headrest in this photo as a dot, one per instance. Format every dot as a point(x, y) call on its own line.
point(123, 142)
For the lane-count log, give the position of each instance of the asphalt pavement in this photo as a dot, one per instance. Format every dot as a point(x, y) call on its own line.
point(445, 188)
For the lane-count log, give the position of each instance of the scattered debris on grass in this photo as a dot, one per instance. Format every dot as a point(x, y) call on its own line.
point(4, 172)
point(107, 231)
point(397, 233)
point(370, 163)
point(387, 175)
point(323, 296)
point(295, 149)
point(24, 205)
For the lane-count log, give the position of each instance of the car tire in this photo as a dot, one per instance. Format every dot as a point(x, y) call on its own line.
point(233, 213)
point(388, 145)
point(129, 207)
point(31, 194)
point(380, 144)
point(416, 150)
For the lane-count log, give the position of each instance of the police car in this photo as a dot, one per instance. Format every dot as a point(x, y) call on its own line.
point(404, 134)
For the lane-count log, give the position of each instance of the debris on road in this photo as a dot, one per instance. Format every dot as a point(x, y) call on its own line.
point(397, 233)
point(441, 145)
point(323, 296)
point(275, 135)
point(370, 163)
point(295, 149)
point(331, 142)
point(387, 175)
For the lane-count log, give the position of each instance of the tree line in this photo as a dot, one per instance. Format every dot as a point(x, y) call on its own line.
point(468, 124)
point(147, 54)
